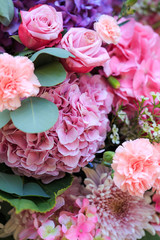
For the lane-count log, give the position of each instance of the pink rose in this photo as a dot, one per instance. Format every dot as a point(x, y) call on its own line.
point(85, 45)
point(41, 27)
point(108, 29)
point(17, 80)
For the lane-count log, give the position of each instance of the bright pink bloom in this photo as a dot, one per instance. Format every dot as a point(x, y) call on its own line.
point(134, 64)
point(17, 80)
point(41, 27)
point(108, 29)
point(85, 45)
point(82, 230)
point(136, 166)
point(156, 199)
point(88, 210)
point(79, 132)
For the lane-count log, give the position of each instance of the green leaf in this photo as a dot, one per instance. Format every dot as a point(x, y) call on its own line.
point(16, 38)
point(126, 8)
point(11, 183)
point(4, 118)
point(56, 52)
point(51, 74)
point(130, 3)
point(33, 189)
point(33, 203)
point(39, 204)
point(123, 23)
point(6, 12)
point(148, 236)
point(35, 115)
point(26, 53)
point(58, 186)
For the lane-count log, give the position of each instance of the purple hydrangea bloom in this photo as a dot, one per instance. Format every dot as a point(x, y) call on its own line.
point(82, 13)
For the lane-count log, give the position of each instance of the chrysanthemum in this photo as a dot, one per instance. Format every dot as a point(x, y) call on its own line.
point(120, 215)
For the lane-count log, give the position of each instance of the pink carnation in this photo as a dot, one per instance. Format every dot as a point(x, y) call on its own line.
point(17, 80)
point(135, 62)
point(79, 132)
point(136, 166)
point(108, 29)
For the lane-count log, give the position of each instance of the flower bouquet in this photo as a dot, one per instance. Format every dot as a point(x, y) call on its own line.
point(79, 120)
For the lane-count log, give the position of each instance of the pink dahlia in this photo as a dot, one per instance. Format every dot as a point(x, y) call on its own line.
point(120, 215)
point(135, 61)
point(17, 80)
point(79, 132)
point(136, 166)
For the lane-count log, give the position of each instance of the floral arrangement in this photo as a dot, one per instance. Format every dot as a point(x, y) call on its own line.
point(79, 120)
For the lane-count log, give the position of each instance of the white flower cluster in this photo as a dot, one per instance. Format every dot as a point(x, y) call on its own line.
point(115, 135)
point(147, 119)
point(123, 116)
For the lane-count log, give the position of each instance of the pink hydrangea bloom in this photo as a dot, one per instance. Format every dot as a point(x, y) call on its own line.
point(66, 219)
point(17, 80)
point(25, 225)
point(53, 225)
point(135, 61)
point(87, 209)
point(82, 230)
point(72, 142)
point(49, 231)
point(136, 166)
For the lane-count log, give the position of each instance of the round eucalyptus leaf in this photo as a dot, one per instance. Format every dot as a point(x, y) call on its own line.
point(6, 12)
point(56, 52)
point(35, 115)
point(51, 74)
point(4, 118)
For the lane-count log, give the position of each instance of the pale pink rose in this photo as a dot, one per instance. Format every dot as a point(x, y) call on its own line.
point(85, 45)
point(108, 29)
point(17, 80)
point(41, 27)
point(136, 166)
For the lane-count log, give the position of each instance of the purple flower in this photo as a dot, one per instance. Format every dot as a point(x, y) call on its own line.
point(82, 13)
